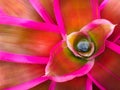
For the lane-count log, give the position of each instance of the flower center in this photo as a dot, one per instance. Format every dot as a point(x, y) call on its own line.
point(83, 46)
point(80, 44)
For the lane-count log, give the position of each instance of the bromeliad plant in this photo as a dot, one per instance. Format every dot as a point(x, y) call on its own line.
point(59, 45)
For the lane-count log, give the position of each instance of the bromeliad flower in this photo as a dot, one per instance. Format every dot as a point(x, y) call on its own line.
point(59, 45)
